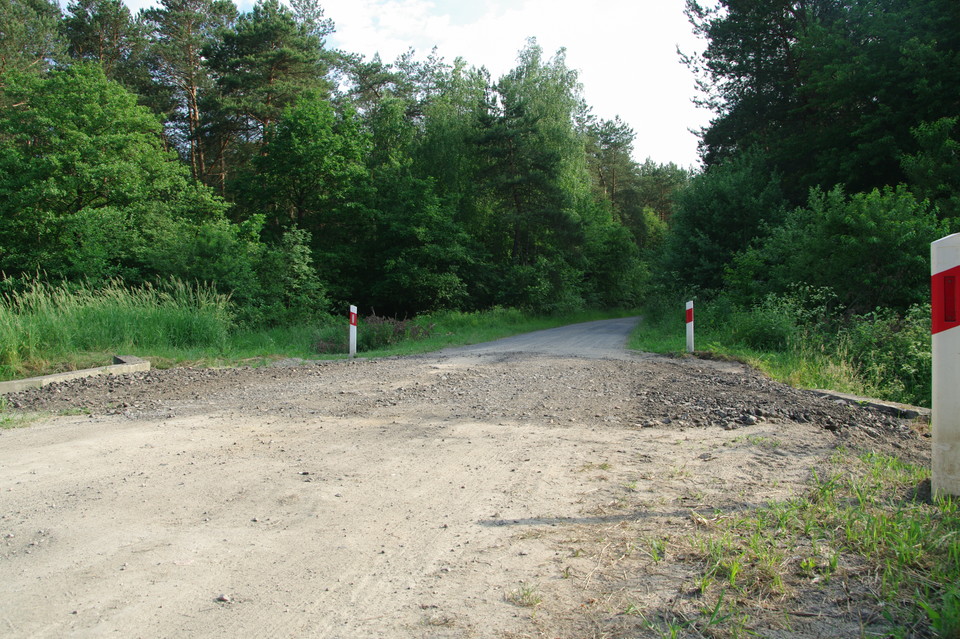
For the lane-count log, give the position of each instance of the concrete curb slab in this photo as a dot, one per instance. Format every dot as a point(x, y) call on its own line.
point(122, 364)
point(895, 409)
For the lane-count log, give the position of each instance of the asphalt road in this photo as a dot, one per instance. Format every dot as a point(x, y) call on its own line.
point(603, 339)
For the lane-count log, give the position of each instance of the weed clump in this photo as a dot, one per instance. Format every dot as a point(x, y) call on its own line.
point(859, 516)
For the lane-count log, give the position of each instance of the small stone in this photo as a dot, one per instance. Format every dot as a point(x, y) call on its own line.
point(223, 598)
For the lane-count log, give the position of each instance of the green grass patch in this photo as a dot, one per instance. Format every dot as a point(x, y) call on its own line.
point(864, 510)
point(721, 331)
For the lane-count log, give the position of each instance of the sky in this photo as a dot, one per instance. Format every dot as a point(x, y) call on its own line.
point(624, 50)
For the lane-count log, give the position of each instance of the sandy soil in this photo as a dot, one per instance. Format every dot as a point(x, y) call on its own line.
point(480, 492)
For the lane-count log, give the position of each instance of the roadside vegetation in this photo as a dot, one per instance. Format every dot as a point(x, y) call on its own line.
point(803, 339)
point(805, 240)
point(51, 328)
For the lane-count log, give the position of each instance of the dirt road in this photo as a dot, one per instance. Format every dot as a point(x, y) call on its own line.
point(477, 492)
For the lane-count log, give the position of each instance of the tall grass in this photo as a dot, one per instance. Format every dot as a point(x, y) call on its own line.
point(46, 322)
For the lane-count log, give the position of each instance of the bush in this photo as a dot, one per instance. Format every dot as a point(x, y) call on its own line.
point(717, 215)
point(872, 249)
point(269, 284)
point(781, 322)
point(770, 325)
point(893, 352)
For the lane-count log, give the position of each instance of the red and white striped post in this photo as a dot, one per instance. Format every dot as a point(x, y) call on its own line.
point(945, 320)
point(353, 331)
point(690, 327)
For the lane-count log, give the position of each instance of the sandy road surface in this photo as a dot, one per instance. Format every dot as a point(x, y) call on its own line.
point(478, 492)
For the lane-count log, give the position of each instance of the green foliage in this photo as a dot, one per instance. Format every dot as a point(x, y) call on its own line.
point(178, 32)
point(769, 325)
point(650, 231)
point(29, 43)
point(289, 289)
point(815, 101)
point(90, 195)
point(892, 352)
point(82, 174)
point(717, 216)
point(421, 248)
point(312, 168)
point(268, 283)
point(934, 171)
point(105, 32)
point(215, 251)
point(550, 285)
point(803, 337)
point(261, 64)
point(871, 249)
point(794, 320)
point(615, 275)
point(829, 90)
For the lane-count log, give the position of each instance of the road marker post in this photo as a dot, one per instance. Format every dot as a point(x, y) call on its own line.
point(945, 332)
point(690, 327)
point(353, 331)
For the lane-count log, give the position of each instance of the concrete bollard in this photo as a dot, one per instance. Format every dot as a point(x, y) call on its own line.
point(690, 327)
point(945, 320)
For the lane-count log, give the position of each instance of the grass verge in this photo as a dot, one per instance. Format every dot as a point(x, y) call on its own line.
point(864, 520)
point(882, 355)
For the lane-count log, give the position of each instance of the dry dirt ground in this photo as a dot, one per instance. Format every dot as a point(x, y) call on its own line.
point(499, 491)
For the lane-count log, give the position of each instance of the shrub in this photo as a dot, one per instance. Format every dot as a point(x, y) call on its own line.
point(871, 249)
point(717, 215)
point(892, 351)
point(770, 325)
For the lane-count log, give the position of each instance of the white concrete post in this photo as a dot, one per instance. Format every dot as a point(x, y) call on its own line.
point(945, 320)
point(353, 331)
point(690, 327)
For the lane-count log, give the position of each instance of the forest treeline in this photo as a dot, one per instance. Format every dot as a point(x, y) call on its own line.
point(198, 142)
